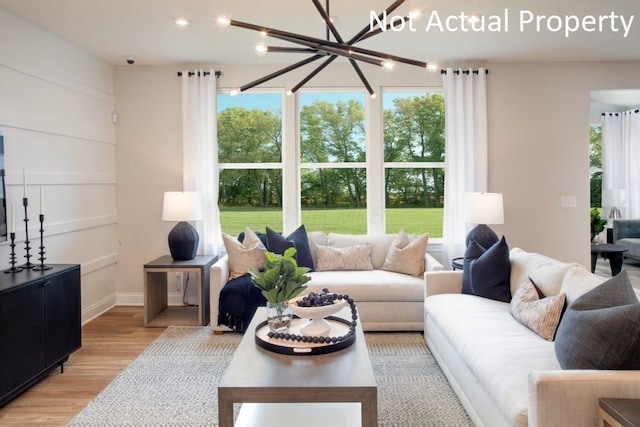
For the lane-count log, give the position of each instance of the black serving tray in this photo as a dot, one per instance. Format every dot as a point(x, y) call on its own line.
point(339, 327)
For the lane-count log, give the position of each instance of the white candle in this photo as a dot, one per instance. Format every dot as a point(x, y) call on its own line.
point(13, 219)
point(24, 183)
point(41, 201)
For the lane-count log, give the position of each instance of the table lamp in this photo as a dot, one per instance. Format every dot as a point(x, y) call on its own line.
point(183, 238)
point(483, 209)
point(612, 199)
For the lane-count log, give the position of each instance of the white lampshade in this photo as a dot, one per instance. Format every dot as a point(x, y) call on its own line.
point(483, 208)
point(181, 206)
point(613, 198)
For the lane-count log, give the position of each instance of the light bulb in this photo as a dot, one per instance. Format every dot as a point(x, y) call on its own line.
point(234, 92)
point(261, 49)
point(373, 95)
point(415, 14)
point(432, 66)
point(289, 92)
point(181, 22)
point(224, 21)
point(387, 65)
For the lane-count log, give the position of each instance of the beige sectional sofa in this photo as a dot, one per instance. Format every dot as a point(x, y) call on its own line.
point(504, 373)
point(386, 300)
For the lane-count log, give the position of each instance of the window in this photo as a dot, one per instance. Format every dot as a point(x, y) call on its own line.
point(250, 160)
point(343, 174)
point(413, 132)
point(595, 165)
point(333, 174)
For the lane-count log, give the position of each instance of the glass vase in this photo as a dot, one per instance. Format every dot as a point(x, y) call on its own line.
point(279, 316)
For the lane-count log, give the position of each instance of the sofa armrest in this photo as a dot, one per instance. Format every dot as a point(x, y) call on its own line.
point(442, 282)
point(219, 275)
point(432, 264)
point(570, 398)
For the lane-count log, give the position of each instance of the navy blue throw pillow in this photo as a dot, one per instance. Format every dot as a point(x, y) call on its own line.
point(474, 251)
point(277, 243)
point(601, 329)
point(488, 274)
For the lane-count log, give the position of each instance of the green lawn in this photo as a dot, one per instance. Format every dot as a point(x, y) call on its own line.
point(354, 221)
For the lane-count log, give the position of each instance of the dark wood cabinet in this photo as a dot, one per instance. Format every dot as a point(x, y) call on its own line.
point(39, 325)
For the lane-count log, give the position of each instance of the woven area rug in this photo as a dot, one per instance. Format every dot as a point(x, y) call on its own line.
point(173, 383)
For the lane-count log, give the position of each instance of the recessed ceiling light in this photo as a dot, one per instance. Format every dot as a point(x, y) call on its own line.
point(181, 22)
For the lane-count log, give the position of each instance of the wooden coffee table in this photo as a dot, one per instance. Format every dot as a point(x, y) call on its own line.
point(259, 376)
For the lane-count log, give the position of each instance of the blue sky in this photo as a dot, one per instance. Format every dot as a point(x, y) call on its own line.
point(273, 100)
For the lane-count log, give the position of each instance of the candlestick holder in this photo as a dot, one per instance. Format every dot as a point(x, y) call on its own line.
point(28, 264)
point(42, 266)
point(12, 257)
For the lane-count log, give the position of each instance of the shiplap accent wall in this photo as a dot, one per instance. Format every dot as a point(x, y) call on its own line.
point(56, 105)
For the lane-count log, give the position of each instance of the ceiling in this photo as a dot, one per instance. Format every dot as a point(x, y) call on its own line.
point(114, 29)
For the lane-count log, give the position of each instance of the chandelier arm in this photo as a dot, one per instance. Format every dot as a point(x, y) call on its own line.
point(327, 20)
point(341, 47)
point(280, 72)
point(281, 49)
point(313, 73)
point(362, 77)
point(334, 48)
point(378, 31)
point(388, 10)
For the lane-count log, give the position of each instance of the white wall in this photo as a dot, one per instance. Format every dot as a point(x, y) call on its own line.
point(56, 103)
point(538, 148)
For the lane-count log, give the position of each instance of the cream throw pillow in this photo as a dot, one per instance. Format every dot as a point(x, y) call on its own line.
point(356, 257)
point(542, 315)
point(249, 253)
point(407, 257)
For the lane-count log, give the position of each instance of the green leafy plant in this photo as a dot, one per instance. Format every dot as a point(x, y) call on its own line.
point(281, 279)
point(597, 223)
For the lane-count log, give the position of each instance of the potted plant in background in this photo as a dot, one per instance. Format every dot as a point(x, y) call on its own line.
point(280, 281)
point(597, 223)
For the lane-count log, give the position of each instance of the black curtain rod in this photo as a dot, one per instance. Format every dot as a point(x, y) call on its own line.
point(457, 71)
point(206, 73)
point(623, 112)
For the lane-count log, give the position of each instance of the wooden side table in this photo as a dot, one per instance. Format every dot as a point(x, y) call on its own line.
point(157, 313)
point(619, 412)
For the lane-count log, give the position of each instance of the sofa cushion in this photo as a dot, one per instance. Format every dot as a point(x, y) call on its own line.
point(406, 257)
point(601, 329)
point(374, 285)
point(488, 275)
point(524, 263)
point(498, 350)
point(245, 254)
point(356, 257)
point(632, 244)
point(277, 243)
point(316, 238)
point(578, 281)
point(540, 314)
point(380, 244)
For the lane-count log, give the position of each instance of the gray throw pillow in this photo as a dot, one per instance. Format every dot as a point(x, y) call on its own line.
point(601, 329)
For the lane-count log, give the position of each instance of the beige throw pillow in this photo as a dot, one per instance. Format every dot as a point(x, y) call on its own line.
point(542, 315)
point(249, 253)
point(357, 257)
point(407, 257)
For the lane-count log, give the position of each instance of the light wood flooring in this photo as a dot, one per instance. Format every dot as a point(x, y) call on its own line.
point(109, 344)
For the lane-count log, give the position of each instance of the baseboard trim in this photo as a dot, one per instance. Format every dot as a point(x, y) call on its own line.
point(97, 309)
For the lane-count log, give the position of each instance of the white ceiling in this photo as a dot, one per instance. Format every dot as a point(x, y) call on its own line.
point(113, 29)
point(116, 29)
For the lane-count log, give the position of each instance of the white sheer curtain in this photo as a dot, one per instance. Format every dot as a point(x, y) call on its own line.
point(621, 158)
point(200, 152)
point(465, 97)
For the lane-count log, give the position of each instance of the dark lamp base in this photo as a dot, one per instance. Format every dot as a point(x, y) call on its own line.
point(483, 235)
point(183, 241)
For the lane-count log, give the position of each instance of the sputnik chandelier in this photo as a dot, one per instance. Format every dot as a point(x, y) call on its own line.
point(325, 48)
